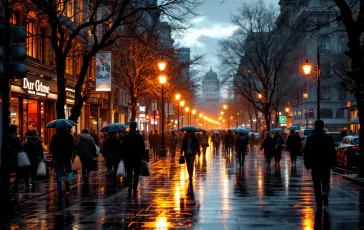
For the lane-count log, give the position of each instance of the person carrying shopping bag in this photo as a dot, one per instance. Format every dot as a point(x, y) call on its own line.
point(86, 150)
point(34, 149)
point(112, 154)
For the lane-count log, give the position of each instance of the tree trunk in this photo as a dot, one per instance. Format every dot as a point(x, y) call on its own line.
point(257, 121)
point(360, 105)
point(267, 118)
point(61, 89)
point(134, 102)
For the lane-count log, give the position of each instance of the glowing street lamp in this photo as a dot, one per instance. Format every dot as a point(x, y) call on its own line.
point(307, 67)
point(182, 103)
point(162, 81)
point(162, 65)
point(178, 97)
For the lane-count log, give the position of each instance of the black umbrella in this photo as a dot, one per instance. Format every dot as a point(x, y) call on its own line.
point(190, 128)
point(61, 123)
point(293, 128)
point(276, 130)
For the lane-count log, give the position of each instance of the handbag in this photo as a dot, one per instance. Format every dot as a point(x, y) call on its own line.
point(77, 164)
point(93, 165)
point(41, 170)
point(182, 160)
point(97, 150)
point(23, 160)
point(121, 169)
point(144, 169)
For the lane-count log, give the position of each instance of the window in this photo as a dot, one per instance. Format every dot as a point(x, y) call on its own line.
point(325, 94)
point(326, 113)
point(67, 8)
point(69, 65)
point(30, 40)
point(342, 94)
point(340, 113)
point(324, 43)
point(342, 44)
point(35, 40)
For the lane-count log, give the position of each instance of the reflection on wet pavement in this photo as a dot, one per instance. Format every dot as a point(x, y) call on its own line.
point(222, 196)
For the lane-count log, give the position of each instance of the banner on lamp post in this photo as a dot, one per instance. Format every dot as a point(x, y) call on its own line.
point(103, 71)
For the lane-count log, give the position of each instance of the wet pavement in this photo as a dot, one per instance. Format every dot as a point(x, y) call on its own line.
point(222, 196)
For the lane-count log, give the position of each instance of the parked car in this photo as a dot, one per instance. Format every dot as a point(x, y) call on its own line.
point(304, 133)
point(347, 151)
point(335, 135)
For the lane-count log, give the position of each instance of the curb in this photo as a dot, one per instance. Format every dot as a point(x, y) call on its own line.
point(354, 179)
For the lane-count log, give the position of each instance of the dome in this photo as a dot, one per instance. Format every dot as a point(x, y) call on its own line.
point(211, 74)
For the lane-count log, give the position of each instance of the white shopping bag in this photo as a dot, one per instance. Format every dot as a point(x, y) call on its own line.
point(23, 160)
point(121, 169)
point(97, 150)
point(41, 171)
point(77, 164)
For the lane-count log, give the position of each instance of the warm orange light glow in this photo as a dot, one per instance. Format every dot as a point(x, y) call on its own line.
point(162, 65)
point(194, 111)
point(162, 79)
point(287, 110)
point(182, 103)
point(225, 106)
point(307, 67)
point(178, 96)
point(305, 95)
point(201, 115)
point(187, 109)
point(222, 113)
point(260, 96)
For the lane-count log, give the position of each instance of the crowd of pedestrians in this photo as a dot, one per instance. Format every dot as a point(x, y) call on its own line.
point(130, 148)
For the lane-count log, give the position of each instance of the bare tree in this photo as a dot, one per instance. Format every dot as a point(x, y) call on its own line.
point(83, 28)
point(255, 56)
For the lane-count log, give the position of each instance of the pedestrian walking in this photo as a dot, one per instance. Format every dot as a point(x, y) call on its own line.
point(241, 147)
point(293, 145)
point(34, 149)
point(173, 143)
point(252, 142)
point(267, 145)
point(62, 147)
point(229, 142)
point(112, 154)
point(86, 150)
point(14, 147)
point(190, 148)
point(133, 149)
point(204, 142)
point(320, 157)
point(156, 140)
point(95, 137)
point(277, 148)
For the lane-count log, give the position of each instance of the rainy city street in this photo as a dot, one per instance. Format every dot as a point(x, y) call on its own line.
point(222, 196)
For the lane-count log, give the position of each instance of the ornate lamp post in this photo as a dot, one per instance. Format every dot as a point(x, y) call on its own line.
point(194, 113)
point(307, 70)
point(162, 81)
point(188, 120)
point(182, 103)
point(178, 97)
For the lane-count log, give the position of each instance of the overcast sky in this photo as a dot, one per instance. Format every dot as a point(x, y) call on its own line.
point(213, 24)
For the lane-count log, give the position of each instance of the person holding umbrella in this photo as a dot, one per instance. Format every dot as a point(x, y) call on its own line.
point(112, 154)
point(267, 145)
point(190, 147)
point(241, 147)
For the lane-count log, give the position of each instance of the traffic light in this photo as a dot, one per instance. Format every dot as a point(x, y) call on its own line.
point(17, 54)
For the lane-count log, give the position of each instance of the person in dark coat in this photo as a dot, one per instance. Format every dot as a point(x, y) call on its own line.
point(62, 147)
point(95, 137)
point(86, 150)
point(133, 149)
point(320, 157)
point(14, 147)
point(190, 147)
point(277, 148)
point(229, 142)
point(252, 142)
point(293, 145)
point(173, 143)
point(112, 153)
point(241, 147)
point(204, 142)
point(267, 145)
point(34, 149)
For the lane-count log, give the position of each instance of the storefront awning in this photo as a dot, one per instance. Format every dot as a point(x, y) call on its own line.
point(355, 121)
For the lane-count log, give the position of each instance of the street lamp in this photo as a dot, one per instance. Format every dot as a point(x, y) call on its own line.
point(194, 113)
point(260, 96)
point(201, 115)
point(178, 97)
point(287, 110)
point(307, 68)
point(162, 81)
point(188, 120)
point(182, 103)
point(226, 107)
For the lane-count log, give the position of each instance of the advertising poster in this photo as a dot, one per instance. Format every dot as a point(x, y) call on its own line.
point(103, 71)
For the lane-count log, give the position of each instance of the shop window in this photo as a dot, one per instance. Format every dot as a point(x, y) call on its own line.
point(326, 113)
point(14, 111)
point(340, 113)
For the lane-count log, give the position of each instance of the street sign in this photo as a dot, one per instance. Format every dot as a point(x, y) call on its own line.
point(154, 106)
point(282, 119)
point(311, 113)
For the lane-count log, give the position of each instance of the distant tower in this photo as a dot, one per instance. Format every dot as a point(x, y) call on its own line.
point(211, 90)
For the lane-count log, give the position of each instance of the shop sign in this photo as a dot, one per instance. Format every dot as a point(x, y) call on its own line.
point(36, 88)
point(103, 71)
point(282, 119)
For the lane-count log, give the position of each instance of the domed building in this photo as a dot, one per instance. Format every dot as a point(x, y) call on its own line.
point(211, 89)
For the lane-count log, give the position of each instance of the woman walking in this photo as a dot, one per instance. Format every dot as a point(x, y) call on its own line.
point(86, 150)
point(277, 148)
point(190, 147)
point(241, 147)
point(112, 153)
point(204, 142)
point(267, 145)
point(34, 149)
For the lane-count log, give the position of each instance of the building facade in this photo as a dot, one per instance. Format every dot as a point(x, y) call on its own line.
point(210, 91)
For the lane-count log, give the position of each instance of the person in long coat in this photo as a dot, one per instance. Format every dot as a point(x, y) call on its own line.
point(267, 145)
point(34, 149)
point(190, 147)
point(241, 147)
point(86, 150)
point(277, 148)
point(293, 145)
point(204, 142)
point(173, 143)
point(113, 155)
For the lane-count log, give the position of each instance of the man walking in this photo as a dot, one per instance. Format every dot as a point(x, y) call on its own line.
point(320, 157)
point(133, 149)
point(86, 150)
point(293, 145)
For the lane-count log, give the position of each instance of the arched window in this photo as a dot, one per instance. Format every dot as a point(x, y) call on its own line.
point(342, 44)
point(31, 28)
point(326, 113)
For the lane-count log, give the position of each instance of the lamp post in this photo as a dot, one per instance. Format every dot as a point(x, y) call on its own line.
point(178, 97)
point(188, 120)
point(226, 107)
point(201, 115)
point(182, 103)
point(162, 81)
point(307, 70)
point(194, 113)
